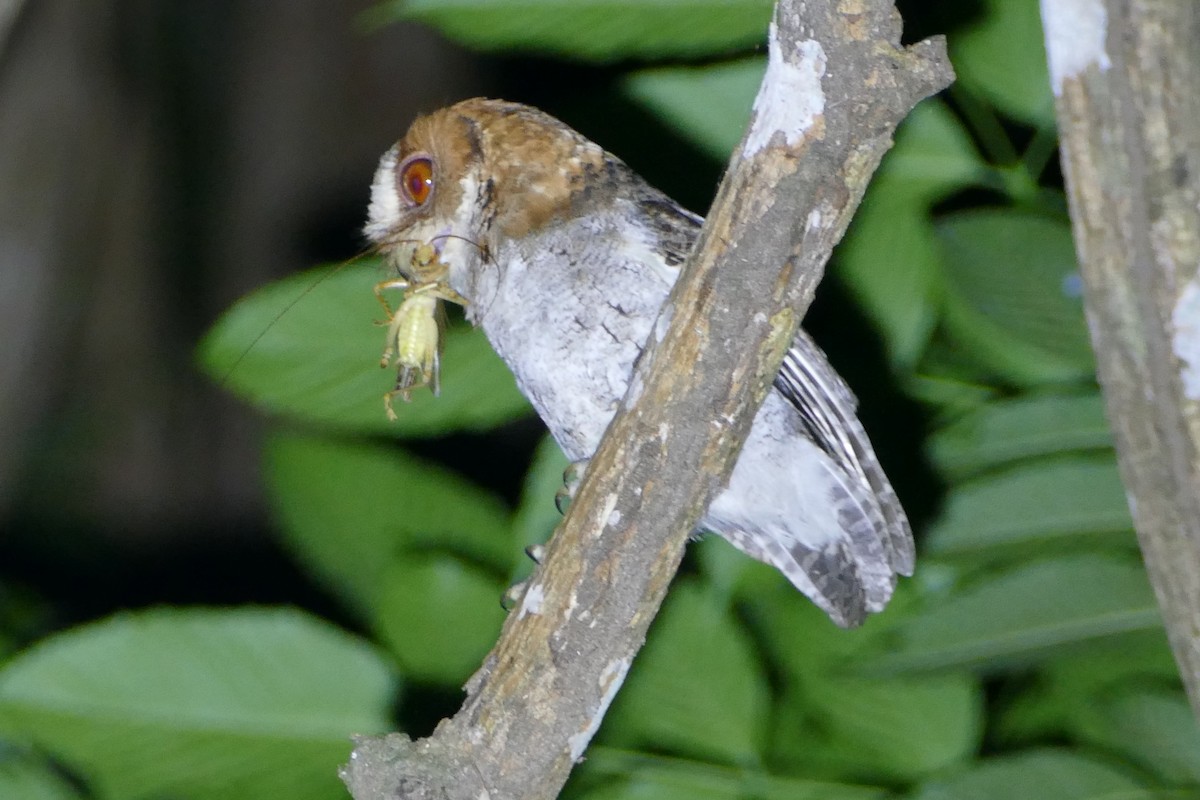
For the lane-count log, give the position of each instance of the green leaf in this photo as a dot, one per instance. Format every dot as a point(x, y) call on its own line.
point(659, 778)
point(348, 510)
point(1072, 497)
point(707, 105)
point(726, 569)
point(894, 730)
point(889, 262)
point(1013, 297)
point(889, 259)
point(308, 347)
point(1067, 690)
point(1022, 428)
point(948, 395)
point(439, 616)
point(799, 639)
point(537, 516)
point(1012, 617)
point(1153, 728)
point(199, 703)
point(1037, 775)
point(1002, 57)
point(696, 688)
point(21, 779)
point(593, 30)
point(837, 723)
point(933, 155)
point(832, 722)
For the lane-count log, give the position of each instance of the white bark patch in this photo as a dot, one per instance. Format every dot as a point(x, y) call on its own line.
point(611, 679)
point(790, 98)
point(532, 602)
point(610, 504)
point(1185, 320)
point(1075, 33)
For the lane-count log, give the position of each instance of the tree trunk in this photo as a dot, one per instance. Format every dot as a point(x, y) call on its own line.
point(1126, 77)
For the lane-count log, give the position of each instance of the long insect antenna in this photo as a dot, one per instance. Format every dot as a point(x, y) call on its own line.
point(291, 304)
point(482, 248)
point(389, 243)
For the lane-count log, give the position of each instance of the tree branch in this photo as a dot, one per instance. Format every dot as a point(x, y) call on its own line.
point(837, 85)
point(1126, 74)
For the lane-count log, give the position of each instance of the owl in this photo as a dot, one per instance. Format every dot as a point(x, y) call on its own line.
point(563, 256)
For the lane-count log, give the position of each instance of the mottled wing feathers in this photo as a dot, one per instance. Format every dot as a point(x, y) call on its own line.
point(827, 408)
point(565, 255)
point(854, 573)
point(675, 228)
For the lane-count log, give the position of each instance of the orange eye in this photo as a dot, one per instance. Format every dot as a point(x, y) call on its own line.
point(416, 179)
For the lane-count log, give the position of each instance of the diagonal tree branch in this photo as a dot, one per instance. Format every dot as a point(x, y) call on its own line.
point(837, 85)
point(1126, 76)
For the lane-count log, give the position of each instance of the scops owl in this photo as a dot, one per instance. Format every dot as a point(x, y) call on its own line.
point(563, 256)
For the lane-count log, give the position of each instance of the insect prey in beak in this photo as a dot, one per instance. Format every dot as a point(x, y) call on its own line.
point(414, 331)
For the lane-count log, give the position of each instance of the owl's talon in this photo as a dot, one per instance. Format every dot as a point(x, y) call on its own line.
point(513, 594)
point(572, 477)
point(536, 552)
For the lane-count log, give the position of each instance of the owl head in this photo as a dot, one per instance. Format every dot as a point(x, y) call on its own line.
point(473, 179)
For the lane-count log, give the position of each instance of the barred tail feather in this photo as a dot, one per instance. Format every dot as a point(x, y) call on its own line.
point(827, 408)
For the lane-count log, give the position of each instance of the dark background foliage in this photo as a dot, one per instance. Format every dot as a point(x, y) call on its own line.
point(218, 558)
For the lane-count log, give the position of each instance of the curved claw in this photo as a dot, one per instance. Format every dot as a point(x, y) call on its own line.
point(513, 594)
point(572, 477)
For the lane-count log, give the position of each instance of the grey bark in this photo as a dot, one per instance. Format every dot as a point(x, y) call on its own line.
point(543, 690)
point(1131, 155)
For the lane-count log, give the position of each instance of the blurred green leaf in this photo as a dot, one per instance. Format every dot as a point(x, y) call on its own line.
point(799, 639)
point(888, 261)
point(1067, 688)
point(1021, 428)
point(439, 616)
point(933, 156)
point(1002, 57)
point(349, 510)
point(22, 779)
point(1010, 617)
point(893, 730)
point(696, 688)
point(537, 516)
point(1154, 728)
point(1037, 775)
point(200, 704)
point(1013, 297)
point(889, 258)
point(659, 778)
point(949, 396)
point(308, 347)
point(727, 569)
point(1033, 502)
point(592, 30)
point(707, 105)
point(833, 722)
